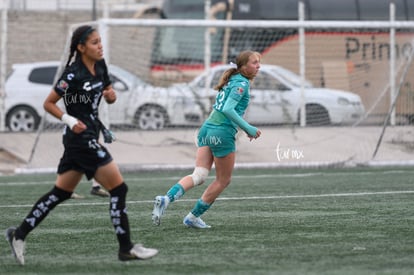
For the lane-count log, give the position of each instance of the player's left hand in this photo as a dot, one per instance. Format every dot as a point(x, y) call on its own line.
point(258, 133)
point(109, 95)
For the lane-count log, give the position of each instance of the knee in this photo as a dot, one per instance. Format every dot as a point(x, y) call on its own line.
point(199, 175)
point(223, 181)
point(120, 190)
point(227, 182)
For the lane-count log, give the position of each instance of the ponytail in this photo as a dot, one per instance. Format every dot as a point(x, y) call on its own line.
point(225, 78)
point(241, 60)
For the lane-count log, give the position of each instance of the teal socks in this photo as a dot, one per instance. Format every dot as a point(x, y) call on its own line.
point(200, 207)
point(175, 192)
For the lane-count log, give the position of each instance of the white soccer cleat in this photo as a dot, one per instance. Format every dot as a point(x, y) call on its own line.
point(195, 222)
point(138, 252)
point(100, 192)
point(160, 204)
point(17, 246)
point(76, 196)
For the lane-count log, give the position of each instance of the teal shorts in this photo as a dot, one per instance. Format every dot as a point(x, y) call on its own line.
point(220, 139)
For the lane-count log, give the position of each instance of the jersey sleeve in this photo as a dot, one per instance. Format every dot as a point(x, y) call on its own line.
point(238, 90)
point(229, 111)
point(64, 83)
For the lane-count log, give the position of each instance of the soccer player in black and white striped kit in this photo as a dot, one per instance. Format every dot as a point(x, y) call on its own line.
point(81, 86)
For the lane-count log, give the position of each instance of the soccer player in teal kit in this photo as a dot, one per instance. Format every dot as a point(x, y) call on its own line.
point(216, 141)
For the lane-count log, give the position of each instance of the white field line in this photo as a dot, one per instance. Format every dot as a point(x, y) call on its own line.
point(163, 179)
point(239, 198)
point(263, 176)
point(272, 176)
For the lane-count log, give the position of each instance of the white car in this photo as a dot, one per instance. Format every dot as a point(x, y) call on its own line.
point(276, 98)
point(138, 103)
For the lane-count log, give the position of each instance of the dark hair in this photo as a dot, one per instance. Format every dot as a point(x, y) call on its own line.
point(241, 60)
point(79, 36)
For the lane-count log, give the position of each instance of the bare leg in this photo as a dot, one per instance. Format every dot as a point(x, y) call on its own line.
point(69, 180)
point(204, 158)
point(224, 170)
point(109, 176)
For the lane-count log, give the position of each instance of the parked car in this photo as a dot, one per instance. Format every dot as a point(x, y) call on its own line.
point(276, 98)
point(138, 103)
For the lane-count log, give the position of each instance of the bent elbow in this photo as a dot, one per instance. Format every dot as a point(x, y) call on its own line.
point(227, 112)
point(46, 105)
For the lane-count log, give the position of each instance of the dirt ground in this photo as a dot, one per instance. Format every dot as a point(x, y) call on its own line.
point(277, 147)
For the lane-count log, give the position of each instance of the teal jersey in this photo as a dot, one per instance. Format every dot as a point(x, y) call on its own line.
point(237, 89)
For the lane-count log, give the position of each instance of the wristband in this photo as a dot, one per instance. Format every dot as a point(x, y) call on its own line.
point(69, 120)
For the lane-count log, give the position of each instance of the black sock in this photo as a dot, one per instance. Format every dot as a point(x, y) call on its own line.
point(119, 217)
point(40, 210)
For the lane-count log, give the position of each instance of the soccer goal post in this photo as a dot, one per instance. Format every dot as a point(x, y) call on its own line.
point(346, 65)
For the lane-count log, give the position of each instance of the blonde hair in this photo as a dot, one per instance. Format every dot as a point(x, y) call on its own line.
point(241, 60)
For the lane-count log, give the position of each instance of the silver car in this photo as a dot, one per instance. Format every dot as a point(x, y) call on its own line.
point(138, 103)
point(276, 98)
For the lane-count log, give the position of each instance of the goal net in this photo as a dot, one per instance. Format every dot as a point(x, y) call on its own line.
point(320, 99)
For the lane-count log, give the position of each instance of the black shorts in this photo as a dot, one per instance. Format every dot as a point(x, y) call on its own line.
point(85, 160)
